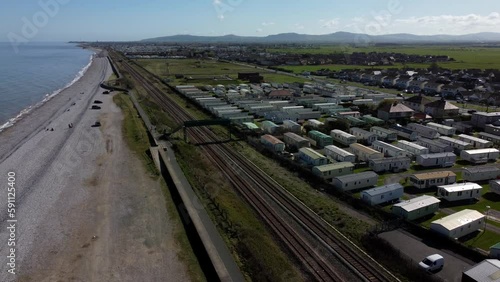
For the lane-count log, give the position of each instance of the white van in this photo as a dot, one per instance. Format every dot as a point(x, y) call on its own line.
point(432, 263)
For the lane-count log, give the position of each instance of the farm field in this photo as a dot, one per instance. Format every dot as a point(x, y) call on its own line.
point(465, 57)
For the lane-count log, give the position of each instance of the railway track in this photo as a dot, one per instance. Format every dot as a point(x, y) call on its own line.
point(266, 197)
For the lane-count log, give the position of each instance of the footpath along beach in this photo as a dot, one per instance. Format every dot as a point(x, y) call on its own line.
point(84, 208)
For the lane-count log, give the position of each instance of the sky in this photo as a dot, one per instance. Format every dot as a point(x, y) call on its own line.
point(128, 20)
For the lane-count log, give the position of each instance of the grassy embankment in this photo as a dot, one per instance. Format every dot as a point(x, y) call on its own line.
point(134, 132)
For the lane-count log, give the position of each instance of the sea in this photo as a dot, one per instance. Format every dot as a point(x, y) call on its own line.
point(35, 73)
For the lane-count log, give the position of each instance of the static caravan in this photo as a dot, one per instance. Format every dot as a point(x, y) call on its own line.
point(338, 154)
point(460, 191)
point(365, 136)
point(364, 153)
point(382, 194)
point(458, 145)
point(478, 143)
point(432, 179)
point(355, 181)
point(272, 143)
point(437, 160)
point(293, 140)
point(292, 126)
point(412, 148)
point(270, 127)
point(434, 146)
point(479, 156)
point(314, 123)
point(417, 207)
point(342, 137)
point(495, 139)
point(405, 132)
point(495, 186)
point(320, 138)
point(372, 120)
point(388, 149)
point(424, 131)
point(459, 224)
point(311, 157)
point(329, 171)
point(442, 129)
point(480, 173)
point(393, 164)
point(384, 134)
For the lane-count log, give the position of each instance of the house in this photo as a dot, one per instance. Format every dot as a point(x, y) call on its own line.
point(388, 150)
point(480, 173)
point(338, 154)
point(394, 164)
point(495, 251)
point(457, 145)
point(424, 131)
point(459, 191)
point(416, 85)
point(293, 140)
point(446, 159)
point(486, 271)
point(441, 109)
point(481, 119)
point(442, 129)
point(478, 156)
point(432, 88)
point(403, 82)
point(362, 135)
point(311, 158)
point(417, 102)
point(320, 138)
point(417, 207)
point(364, 153)
point(384, 134)
point(405, 132)
point(412, 148)
point(477, 143)
point(495, 186)
point(382, 194)
point(355, 181)
point(432, 179)
point(451, 91)
point(434, 146)
point(292, 126)
point(394, 111)
point(458, 224)
point(342, 137)
point(272, 143)
point(329, 171)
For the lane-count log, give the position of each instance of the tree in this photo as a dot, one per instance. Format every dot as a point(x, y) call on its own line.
point(434, 67)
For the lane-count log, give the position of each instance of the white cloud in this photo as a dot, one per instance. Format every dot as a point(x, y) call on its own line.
point(298, 26)
point(267, 23)
point(455, 23)
point(259, 30)
point(330, 24)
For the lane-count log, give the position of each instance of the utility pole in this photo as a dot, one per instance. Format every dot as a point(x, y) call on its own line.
point(486, 217)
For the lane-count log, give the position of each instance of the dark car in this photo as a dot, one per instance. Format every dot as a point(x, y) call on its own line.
point(97, 102)
point(94, 107)
point(105, 92)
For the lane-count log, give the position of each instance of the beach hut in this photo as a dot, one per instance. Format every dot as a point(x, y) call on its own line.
point(459, 191)
point(382, 194)
point(458, 224)
point(417, 207)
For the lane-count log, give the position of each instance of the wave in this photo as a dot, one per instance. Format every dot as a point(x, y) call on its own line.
point(47, 97)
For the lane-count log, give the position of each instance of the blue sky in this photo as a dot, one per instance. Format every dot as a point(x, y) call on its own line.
point(120, 20)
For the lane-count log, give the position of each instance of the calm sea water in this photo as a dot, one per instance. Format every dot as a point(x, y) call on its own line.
point(35, 73)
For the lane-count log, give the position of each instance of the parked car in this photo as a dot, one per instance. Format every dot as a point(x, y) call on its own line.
point(97, 102)
point(432, 263)
point(96, 124)
point(94, 107)
point(105, 92)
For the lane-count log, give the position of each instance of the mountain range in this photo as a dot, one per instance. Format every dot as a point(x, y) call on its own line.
point(337, 37)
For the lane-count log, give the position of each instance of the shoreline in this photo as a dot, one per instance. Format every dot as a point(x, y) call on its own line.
point(39, 116)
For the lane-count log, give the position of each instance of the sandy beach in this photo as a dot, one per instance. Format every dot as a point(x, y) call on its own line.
point(85, 208)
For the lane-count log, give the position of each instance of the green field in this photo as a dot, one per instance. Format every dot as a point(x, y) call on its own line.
point(203, 72)
point(465, 57)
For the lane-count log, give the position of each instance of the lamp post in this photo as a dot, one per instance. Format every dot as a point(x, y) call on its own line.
point(486, 217)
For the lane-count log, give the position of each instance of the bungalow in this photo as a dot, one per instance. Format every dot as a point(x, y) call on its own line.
point(393, 164)
point(432, 179)
point(362, 135)
point(364, 153)
point(458, 224)
point(311, 157)
point(459, 191)
point(329, 171)
point(382, 194)
point(388, 150)
point(355, 181)
point(394, 111)
point(480, 173)
point(384, 134)
point(417, 207)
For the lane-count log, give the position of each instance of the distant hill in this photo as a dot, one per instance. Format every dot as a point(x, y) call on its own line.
point(337, 37)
